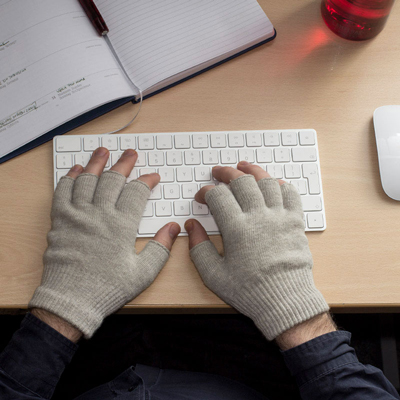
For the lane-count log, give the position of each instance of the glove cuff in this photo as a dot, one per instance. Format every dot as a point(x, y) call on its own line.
point(65, 297)
point(281, 301)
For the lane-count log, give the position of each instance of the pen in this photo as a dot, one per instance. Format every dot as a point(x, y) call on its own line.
point(95, 17)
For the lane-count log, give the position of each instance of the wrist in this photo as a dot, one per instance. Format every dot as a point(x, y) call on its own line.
point(58, 324)
point(308, 330)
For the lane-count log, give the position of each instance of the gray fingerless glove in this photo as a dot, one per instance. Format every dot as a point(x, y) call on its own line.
point(91, 268)
point(265, 272)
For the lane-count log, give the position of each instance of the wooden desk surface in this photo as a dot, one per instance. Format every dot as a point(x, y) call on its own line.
point(306, 78)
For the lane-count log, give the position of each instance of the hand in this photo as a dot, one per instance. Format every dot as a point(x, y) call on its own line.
point(91, 268)
point(265, 272)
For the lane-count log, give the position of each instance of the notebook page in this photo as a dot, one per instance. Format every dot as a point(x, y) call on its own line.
point(158, 39)
point(53, 67)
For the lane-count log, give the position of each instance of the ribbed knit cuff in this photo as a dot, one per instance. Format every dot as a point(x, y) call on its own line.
point(281, 301)
point(85, 310)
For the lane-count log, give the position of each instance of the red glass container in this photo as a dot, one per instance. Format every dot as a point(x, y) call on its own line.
point(356, 19)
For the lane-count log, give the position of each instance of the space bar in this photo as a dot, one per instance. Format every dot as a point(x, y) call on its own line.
point(152, 225)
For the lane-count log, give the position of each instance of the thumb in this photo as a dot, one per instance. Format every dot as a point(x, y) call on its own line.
point(156, 252)
point(204, 254)
point(196, 232)
point(168, 234)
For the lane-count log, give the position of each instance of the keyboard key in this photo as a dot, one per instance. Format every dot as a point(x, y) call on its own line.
point(155, 193)
point(164, 142)
point(192, 157)
point(199, 209)
point(271, 138)
point(141, 160)
point(110, 142)
point(148, 210)
point(304, 154)
point(310, 171)
point(163, 209)
point(61, 173)
point(200, 141)
point(127, 142)
point(253, 139)
point(133, 175)
point(264, 155)
point(171, 191)
point(174, 158)
point(189, 190)
point(156, 158)
point(292, 171)
point(68, 144)
point(182, 141)
point(184, 174)
point(235, 139)
point(152, 225)
point(282, 155)
point(146, 142)
point(202, 174)
point(115, 157)
point(181, 208)
point(246, 155)
point(307, 138)
point(289, 138)
point(210, 157)
point(218, 140)
point(166, 174)
point(90, 143)
point(300, 185)
point(275, 171)
point(315, 220)
point(228, 157)
point(82, 159)
point(311, 203)
point(64, 160)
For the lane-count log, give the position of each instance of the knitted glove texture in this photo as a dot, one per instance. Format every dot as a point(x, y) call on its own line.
point(91, 268)
point(266, 270)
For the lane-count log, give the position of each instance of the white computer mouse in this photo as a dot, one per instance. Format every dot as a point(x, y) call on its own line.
point(387, 133)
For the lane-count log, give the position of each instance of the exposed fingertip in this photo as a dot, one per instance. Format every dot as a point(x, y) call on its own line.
point(167, 234)
point(151, 180)
point(196, 231)
point(151, 174)
point(174, 230)
point(199, 197)
point(156, 176)
point(77, 168)
point(243, 163)
point(129, 153)
point(101, 151)
point(75, 171)
point(189, 226)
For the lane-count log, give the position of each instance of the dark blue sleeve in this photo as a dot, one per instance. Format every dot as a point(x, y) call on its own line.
point(327, 368)
point(33, 361)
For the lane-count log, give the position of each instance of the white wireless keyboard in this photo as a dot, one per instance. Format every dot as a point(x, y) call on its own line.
point(184, 161)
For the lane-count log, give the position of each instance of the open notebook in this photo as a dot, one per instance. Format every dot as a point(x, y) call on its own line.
point(57, 73)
